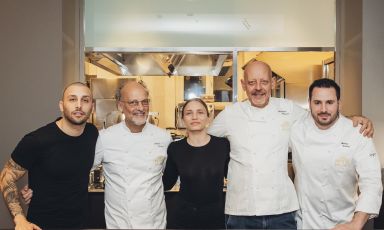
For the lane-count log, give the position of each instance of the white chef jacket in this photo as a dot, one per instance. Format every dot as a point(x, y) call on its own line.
point(133, 164)
point(258, 181)
point(330, 165)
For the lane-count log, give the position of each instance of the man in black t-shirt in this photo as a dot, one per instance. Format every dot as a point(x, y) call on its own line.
point(58, 158)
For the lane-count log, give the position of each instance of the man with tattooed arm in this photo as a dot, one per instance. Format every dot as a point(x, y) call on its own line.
point(59, 192)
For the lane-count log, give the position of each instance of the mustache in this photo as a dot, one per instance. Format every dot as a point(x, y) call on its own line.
point(139, 112)
point(257, 91)
point(324, 113)
point(79, 110)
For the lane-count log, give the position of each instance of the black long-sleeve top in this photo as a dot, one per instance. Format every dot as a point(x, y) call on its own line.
point(201, 169)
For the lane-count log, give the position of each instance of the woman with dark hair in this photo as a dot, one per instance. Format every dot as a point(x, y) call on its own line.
point(200, 160)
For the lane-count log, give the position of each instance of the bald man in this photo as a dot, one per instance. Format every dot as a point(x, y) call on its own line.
point(58, 158)
point(260, 194)
point(133, 154)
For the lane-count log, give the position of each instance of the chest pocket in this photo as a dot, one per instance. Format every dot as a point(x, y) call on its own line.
point(343, 161)
point(343, 169)
point(274, 133)
point(156, 156)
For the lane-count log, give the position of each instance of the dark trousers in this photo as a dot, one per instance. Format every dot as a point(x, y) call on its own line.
point(281, 221)
point(188, 215)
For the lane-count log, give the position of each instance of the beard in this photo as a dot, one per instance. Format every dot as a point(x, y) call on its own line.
point(259, 98)
point(139, 120)
point(325, 123)
point(74, 121)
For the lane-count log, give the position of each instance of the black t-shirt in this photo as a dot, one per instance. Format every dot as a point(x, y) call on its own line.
point(201, 169)
point(58, 170)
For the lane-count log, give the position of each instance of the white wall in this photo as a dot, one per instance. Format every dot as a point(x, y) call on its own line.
point(373, 68)
point(72, 36)
point(349, 55)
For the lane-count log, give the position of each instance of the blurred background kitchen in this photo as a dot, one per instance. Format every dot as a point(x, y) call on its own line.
point(182, 49)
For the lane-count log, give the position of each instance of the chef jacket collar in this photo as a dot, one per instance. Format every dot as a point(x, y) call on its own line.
point(125, 127)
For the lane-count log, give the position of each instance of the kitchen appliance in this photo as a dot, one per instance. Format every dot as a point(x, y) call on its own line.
point(96, 178)
point(106, 112)
point(162, 63)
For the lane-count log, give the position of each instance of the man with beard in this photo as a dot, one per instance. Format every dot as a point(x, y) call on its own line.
point(332, 161)
point(58, 158)
point(260, 194)
point(133, 155)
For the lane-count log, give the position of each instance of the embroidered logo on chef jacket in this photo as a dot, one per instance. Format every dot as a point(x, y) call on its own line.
point(372, 154)
point(160, 145)
point(345, 145)
point(159, 160)
point(342, 161)
point(283, 112)
point(285, 125)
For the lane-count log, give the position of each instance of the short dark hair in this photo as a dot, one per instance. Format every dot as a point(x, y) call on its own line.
point(71, 84)
point(194, 99)
point(324, 83)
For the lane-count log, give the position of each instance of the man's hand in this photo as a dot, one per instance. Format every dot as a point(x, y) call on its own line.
point(366, 125)
point(21, 223)
point(348, 226)
point(27, 194)
point(357, 223)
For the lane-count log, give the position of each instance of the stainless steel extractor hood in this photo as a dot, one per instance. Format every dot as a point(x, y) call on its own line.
point(162, 64)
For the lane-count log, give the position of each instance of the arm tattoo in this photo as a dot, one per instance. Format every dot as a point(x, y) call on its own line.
point(8, 177)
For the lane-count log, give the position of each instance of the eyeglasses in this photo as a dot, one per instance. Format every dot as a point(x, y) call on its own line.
point(135, 103)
